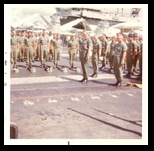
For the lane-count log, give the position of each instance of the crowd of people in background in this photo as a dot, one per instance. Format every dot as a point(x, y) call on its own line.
point(121, 52)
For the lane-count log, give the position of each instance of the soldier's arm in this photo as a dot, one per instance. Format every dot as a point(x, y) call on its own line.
point(106, 47)
point(135, 50)
point(123, 54)
point(89, 48)
point(99, 50)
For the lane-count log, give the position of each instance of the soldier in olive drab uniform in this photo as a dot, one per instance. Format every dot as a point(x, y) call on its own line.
point(51, 52)
point(111, 54)
point(131, 52)
point(104, 50)
point(119, 57)
point(38, 57)
point(135, 62)
point(22, 46)
point(96, 52)
point(29, 42)
point(108, 38)
point(140, 57)
point(125, 62)
point(77, 50)
point(44, 46)
point(14, 49)
point(57, 44)
point(85, 48)
point(34, 36)
point(72, 49)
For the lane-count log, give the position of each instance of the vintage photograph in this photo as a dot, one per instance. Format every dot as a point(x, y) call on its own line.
point(75, 74)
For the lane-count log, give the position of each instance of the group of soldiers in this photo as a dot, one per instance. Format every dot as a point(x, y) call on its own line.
point(35, 46)
point(120, 51)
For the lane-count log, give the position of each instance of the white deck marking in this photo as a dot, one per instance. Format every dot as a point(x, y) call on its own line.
point(28, 102)
point(114, 96)
point(95, 97)
point(52, 101)
point(75, 99)
point(129, 94)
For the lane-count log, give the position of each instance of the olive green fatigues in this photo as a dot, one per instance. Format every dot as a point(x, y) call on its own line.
point(111, 54)
point(95, 55)
point(22, 47)
point(43, 41)
point(73, 46)
point(135, 61)
point(84, 46)
point(14, 50)
point(29, 51)
point(140, 59)
point(104, 49)
point(118, 70)
point(57, 44)
point(130, 52)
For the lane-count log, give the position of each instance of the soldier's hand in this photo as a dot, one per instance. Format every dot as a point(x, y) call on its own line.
point(87, 57)
point(122, 62)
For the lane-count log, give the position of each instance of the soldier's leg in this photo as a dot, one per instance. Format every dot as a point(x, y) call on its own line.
point(45, 57)
point(30, 57)
point(129, 65)
point(27, 55)
point(41, 55)
point(70, 58)
point(140, 66)
point(14, 57)
point(58, 56)
point(11, 57)
point(116, 67)
point(135, 63)
point(22, 53)
point(55, 58)
point(73, 59)
point(94, 60)
point(104, 61)
point(85, 66)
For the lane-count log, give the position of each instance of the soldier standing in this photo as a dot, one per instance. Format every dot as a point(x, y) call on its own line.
point(57, 44)
point(140, 57)
point(14, 48)
point(111, 54)
point(131, 52)
point(85, 48)
point(104, 50)
point(51, 52)
point(135, 62)
point(119, 58)
point(72, 49)
point(22, 46)
point(44, 45)
point(96, 52)
point(29, 42)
